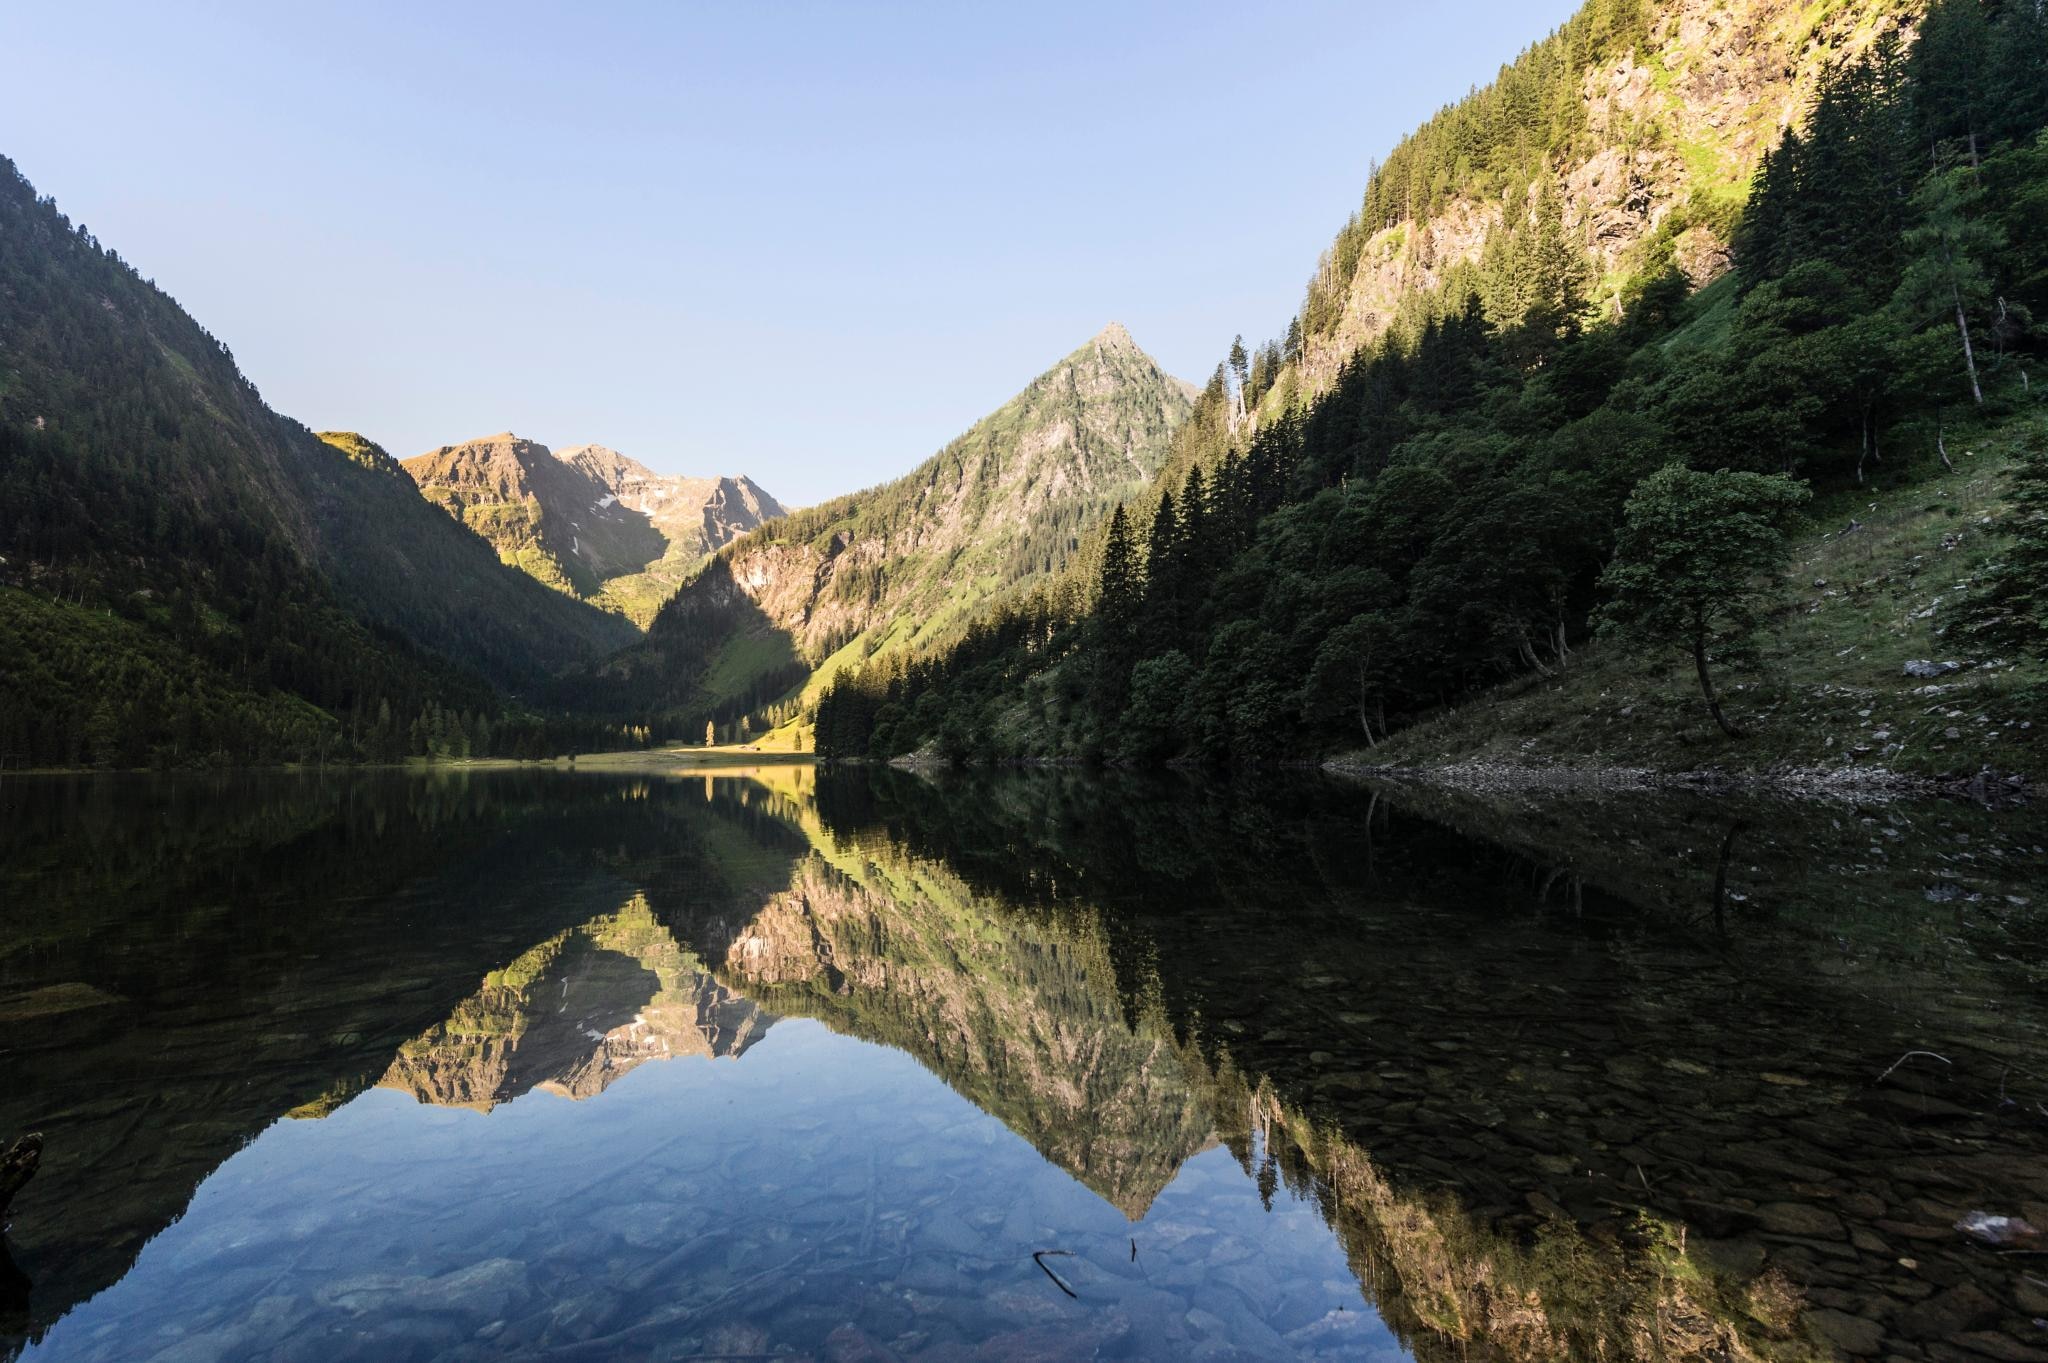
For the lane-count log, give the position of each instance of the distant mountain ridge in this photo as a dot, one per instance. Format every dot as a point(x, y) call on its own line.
point(587, 520)
point(896, 567)
point(697, 515)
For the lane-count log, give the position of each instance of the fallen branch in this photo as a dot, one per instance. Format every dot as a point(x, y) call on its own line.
point(1038, 1257)
point(1908, 1056)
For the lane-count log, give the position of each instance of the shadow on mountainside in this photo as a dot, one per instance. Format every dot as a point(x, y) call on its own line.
point(711, 656)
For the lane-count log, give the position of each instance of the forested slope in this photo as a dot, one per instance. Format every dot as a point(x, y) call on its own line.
point(189, 576)
point(1325, 559)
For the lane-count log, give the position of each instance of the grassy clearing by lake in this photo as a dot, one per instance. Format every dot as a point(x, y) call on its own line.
point(1869, 589)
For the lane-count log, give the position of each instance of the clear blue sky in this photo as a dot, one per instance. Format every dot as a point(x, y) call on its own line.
point(806, 242)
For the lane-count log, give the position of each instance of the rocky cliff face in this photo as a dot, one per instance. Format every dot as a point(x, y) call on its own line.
point(695, 515)
point(543, 516)
point(587, 520)
point(906, 563)
point(1674, 129)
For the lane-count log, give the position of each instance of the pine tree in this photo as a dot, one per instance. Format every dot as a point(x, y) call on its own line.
point(1761, 237)
point(1162, 571)
point(1950, 66)
point(1948, 247)
point(2008, 608)
point(1119, 608)
point(2018, 88)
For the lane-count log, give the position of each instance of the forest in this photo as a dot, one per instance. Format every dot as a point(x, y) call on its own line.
point(1510, 471)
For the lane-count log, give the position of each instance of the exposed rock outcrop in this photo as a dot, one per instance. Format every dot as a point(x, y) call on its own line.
point(1677, 124)
point(587, 520)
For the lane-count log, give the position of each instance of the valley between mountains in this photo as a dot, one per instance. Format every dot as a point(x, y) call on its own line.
point(1684, 265)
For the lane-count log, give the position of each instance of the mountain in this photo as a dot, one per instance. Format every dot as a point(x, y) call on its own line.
point(697, 515)
point(545, 517)
point(1639, 125)
point(1790, 247)
point(588, 521)
point(901, 567)
point(186, 574)
point(404, 566)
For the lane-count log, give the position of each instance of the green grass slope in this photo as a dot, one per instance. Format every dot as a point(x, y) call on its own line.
point(1828, 688)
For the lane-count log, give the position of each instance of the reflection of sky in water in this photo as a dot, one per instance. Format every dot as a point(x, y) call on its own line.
point(820, 1194)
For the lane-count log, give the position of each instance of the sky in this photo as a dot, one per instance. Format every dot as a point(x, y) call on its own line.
point(806, 242)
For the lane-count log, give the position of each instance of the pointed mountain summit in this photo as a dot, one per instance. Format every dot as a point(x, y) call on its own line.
point(587, 520)
point(903, 565)
point(1115, 337)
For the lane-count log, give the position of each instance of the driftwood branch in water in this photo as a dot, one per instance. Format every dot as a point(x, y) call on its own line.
point(1038, 1257)
point(1908, 1056)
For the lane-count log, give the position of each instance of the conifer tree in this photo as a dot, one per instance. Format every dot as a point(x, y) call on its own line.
point(1119, 607)
point(1761, 238)
point(2017, 90)
point(2008, 608)
point(1947, 276)
point(1951, 65)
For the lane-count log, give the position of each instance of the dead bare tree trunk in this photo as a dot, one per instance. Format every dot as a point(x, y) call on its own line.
point(1941, 443)
point(1969, 355)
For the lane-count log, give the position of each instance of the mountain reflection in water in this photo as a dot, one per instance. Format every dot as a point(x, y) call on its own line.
point(1315, 1071)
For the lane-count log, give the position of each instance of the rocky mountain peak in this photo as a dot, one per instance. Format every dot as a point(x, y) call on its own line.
point(1115, 337)
point(588, 520)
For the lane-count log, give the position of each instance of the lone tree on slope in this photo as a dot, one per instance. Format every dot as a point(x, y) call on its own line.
point(1699, 556)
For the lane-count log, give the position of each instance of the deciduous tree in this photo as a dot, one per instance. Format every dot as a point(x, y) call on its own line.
point(1699, 556)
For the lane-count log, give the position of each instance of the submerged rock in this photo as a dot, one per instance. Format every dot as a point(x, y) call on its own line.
point(2002, 1232)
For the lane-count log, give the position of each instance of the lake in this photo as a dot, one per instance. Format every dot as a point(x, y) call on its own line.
point(866, 1065)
